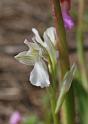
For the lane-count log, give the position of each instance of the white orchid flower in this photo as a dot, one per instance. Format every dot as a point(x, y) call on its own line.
point(39, 50)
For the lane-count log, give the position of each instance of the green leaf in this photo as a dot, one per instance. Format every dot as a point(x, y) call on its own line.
point(66, 84)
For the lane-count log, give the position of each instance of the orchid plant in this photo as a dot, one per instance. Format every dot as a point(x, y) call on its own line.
point(43, 55)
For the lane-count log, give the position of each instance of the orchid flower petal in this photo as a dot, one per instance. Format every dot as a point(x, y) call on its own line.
point(51, 33)
point(50, 47)
point(39, 75)
point(27, 58)
point(31, 45)
point(37, 38)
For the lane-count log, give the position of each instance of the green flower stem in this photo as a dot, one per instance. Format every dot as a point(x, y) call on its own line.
point(68, 107)
point(52, 93)
point(52, 96)
point(80, 43)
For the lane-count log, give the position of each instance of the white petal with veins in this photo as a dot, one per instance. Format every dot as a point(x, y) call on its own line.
point(51, 34)
point(26, 58)
point(37, 37)
point(39, 75)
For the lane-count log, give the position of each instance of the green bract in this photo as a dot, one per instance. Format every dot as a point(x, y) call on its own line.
point(66, 84)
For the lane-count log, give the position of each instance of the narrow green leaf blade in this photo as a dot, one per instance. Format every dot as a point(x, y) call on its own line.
point(66, 84)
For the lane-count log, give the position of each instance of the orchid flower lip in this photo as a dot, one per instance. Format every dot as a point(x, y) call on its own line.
point(39, 75)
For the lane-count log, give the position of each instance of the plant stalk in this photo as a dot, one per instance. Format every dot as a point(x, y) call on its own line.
point(68, 111)
point(53, 106)
point(52, 96)
point(80, 44)
point(52, 93)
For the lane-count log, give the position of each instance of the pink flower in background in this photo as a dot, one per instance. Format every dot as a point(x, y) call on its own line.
point(65, 7)
point(68, 21)
point(15, 118)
